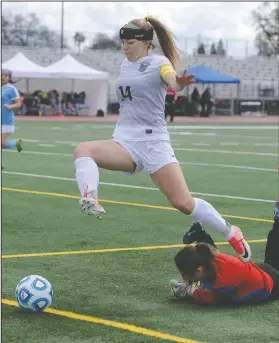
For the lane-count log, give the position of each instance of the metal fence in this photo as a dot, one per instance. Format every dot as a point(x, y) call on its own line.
point(234, 47)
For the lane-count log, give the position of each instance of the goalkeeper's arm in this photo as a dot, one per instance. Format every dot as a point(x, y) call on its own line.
point(214, 296)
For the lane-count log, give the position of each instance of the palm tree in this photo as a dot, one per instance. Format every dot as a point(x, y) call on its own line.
point(79, 38)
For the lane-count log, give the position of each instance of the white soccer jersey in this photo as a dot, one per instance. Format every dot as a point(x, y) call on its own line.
point(141, 93)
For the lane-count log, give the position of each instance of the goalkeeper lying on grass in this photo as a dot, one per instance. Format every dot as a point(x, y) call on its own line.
point(210, 276)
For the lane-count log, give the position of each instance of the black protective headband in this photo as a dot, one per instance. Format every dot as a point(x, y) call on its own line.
point(139, 34)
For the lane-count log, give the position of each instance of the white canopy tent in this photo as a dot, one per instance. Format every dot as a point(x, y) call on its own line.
point(65, 75)
point(69, 75)
point(22, 67)
point(70, 68)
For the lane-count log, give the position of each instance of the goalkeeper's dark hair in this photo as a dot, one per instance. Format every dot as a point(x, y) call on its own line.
point(164, 35)
point(191, 257)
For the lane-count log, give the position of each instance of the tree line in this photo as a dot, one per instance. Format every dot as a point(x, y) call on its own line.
point(27, 30)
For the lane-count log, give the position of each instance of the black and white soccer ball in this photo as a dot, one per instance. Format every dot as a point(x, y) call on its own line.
point(34, 293)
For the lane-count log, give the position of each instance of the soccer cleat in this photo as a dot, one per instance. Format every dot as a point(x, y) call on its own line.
point(19, 145)
point(91, 207)
point(197, 233)
point(194, 234)
point(240, 245)
point(276, 210)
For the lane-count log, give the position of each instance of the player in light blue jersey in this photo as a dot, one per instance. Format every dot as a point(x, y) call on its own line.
point(141, 140)
point(10, 102)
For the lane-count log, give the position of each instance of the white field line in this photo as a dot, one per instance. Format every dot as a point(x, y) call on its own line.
point(139, 187)
point(87, 135)
point(43, 153)
point(47, 145)
point(215, 135)
point(221, 127)
point(228, 152)
point(187, 133)
point(66, 142)
point(173, 140)
point(28, 152)
point(176, 149)
point(170, 127)
point(228, 166)
point(31, 140)
point(266, 144)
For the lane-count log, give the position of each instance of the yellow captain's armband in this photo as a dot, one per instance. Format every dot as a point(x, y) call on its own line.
point(166, 69)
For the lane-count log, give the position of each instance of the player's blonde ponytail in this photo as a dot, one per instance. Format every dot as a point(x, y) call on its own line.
point(164, 35)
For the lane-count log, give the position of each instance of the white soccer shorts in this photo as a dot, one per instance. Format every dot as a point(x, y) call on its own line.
point(149, 156)
point(7, 129)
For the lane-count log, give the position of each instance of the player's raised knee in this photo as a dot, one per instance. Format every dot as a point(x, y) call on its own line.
point(82, 150)
point(183, 205)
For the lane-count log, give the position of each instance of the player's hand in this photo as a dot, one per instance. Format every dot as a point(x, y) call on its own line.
point(8, 106)
point(184, 79)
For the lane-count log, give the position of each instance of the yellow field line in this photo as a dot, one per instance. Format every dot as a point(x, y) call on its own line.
point(166, 208)
point(113, 249)
point(100, 251)
point(118, 325)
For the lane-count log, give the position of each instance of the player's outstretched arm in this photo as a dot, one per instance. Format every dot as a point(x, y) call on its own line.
point(179, 82)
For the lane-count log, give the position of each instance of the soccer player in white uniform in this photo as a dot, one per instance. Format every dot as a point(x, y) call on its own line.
point(141, 140)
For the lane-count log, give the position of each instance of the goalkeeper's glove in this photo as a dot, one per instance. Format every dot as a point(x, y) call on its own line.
point(183, 289)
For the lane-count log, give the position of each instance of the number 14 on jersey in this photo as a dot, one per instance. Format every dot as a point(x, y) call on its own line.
point(127, 93)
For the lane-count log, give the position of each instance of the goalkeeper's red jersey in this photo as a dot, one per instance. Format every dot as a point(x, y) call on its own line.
point(235, 281)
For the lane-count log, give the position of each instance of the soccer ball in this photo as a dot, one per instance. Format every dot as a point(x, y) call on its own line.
point(34, 293)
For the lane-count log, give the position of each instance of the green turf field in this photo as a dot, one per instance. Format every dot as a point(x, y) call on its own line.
point(103, 291)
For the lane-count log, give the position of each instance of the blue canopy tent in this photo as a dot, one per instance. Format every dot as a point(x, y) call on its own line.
point(207, 75)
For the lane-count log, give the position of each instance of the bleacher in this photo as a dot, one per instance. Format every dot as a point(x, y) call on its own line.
point(252, 71)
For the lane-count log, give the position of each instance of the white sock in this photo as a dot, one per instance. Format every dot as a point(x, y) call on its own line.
point(207, 214)
point(87, 176)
